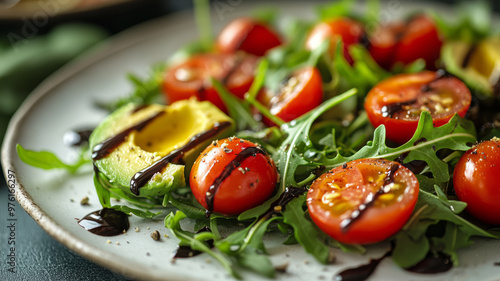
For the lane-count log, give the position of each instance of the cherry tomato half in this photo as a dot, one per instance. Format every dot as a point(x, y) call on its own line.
point(191, 78)
point(350, 31)
point(233, 175)
point(301, 92)
point(476, 180)
point(363, 202)
point(398, 101)
point(248, 35)
point(406, 42)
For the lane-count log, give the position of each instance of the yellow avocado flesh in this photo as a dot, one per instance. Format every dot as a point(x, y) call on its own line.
point(485, 59)
point(173, 128)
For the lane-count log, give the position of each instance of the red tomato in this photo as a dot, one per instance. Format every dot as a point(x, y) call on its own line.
point(233, 175)
point(398, 101)
point(407, 42)
point(350, 31)
point(302, 92)
point(363, 202)
point(248, 35)
point(191, 78)
point(476, 180)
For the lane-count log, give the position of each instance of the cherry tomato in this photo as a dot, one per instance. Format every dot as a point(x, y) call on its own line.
point(248, 35)
point(191, 78)
point(407, 42)
point(363, 202)
point(398, 101)
point(476, 180)
point(350, 31)
point(233, 175)
point(300, 93)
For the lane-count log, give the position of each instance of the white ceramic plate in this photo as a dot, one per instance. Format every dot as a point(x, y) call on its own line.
point(52, 198)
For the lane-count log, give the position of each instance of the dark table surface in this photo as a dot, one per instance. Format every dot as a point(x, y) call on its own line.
point(38, 255)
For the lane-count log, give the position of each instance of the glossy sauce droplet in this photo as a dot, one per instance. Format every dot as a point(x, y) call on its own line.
point(105, 222)
point(77, 138)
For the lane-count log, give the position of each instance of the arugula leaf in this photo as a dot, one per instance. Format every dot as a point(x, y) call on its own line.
point(248, 248)
point(48, 160)
point(288, 156)
point(140, 213)
point(197, 241)
point(412, 243)
point(306, 232)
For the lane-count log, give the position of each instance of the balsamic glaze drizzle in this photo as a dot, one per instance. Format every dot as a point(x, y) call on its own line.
point(361, 272)
point(369, 200)
point(142, 177)
point(105, 222)
point(234, 164)
point(106, 147)
point(433, 264)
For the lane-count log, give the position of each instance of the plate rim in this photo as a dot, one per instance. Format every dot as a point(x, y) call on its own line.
point(112, 45)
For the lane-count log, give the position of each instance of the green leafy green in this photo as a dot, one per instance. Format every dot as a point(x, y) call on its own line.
point(412, 243)
point(248, 248)
point(197, 241)
point(306, 232)
point(48, 160)
point(140, 213)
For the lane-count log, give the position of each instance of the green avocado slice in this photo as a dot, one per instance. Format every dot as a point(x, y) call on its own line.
point(164, 129)
point(477, 65)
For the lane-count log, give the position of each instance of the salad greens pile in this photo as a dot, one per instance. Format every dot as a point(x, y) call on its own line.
point(336, 132)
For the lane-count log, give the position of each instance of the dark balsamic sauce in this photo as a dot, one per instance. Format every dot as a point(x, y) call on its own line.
point(105, 222)
point(361, 272)
point(77, 138)
point(433, 264)
point(139, 108)
point(234, 164)
point(104, 148)
point(364, 40)
point(370, 200)
point(468, 55)
point(142, 177)
point(430, 265)
point(389, 110)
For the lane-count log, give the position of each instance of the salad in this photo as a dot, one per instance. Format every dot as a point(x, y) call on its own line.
point(334, 133)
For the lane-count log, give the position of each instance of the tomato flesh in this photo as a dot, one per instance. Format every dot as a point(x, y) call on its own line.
point(248, 35)
point(191, 78)
point(475, 180)
point(398, 101)
point(348, 30)
point(233, 175)
point(302, 92)
point(407, 42)
point(363, 202)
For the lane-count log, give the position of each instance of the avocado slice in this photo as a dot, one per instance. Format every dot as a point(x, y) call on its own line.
point(477, 65)
point(138, 137)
